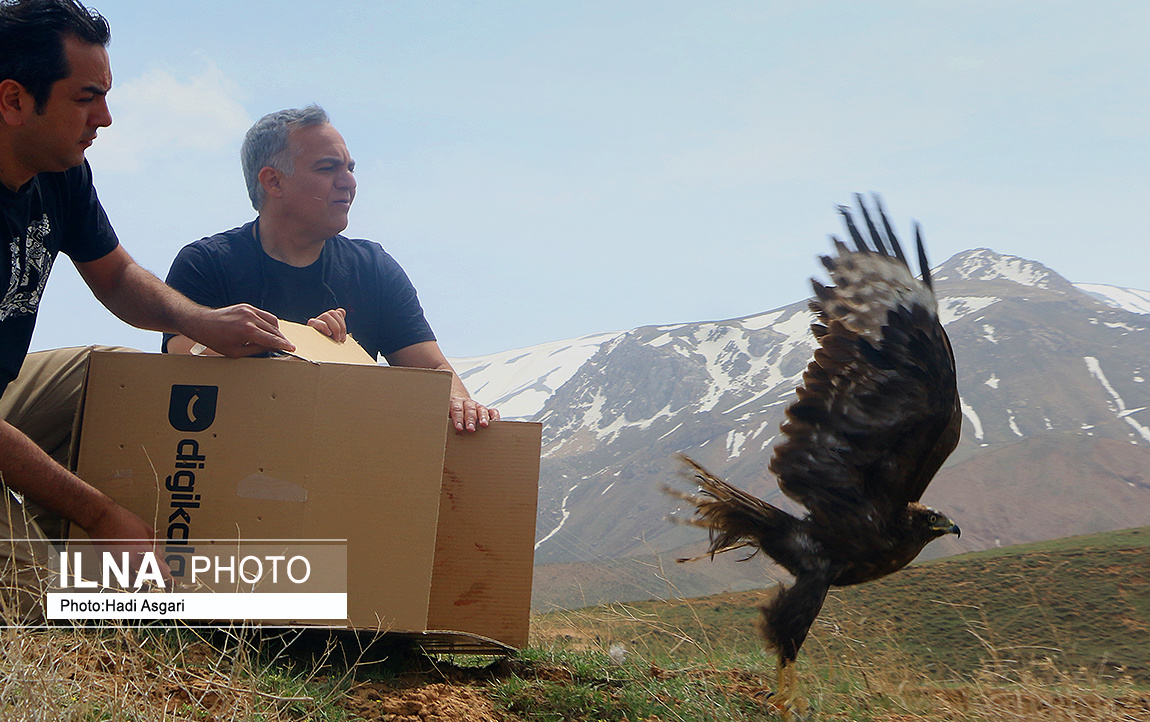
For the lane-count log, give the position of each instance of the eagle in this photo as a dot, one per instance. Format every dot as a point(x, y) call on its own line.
point(876, 415)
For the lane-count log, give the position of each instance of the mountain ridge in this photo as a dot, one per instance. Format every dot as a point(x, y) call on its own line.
point(1040, 360)
point(505, 380)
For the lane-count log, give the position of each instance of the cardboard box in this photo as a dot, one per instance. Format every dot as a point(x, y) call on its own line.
point(440, 527)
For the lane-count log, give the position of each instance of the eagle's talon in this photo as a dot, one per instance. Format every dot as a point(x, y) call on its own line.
point(790, 711)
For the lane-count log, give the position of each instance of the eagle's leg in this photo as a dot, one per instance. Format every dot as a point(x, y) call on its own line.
point(787, 699)
point(783, 625)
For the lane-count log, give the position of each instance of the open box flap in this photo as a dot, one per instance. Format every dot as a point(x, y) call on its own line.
point(313, 345)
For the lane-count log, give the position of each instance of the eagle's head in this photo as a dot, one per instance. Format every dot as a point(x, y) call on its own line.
point(929, 524)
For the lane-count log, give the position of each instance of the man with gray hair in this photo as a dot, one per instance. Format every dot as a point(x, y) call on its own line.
point(292, 261)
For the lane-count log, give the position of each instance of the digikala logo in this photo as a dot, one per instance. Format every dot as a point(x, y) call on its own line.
point(193, 408)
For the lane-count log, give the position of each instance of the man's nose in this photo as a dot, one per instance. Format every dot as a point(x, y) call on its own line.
point(101, 117)
point(347, 180)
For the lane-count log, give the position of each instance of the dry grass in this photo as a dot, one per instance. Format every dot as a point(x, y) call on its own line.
point(852, 668)
point(120, 673)
point(882, 682)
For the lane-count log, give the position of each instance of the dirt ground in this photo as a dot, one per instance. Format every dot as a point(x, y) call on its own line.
point(439, 702)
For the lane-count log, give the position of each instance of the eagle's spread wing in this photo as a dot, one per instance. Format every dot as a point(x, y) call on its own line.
point(878, 412)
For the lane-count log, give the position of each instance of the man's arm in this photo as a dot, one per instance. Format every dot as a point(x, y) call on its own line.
point(465, 412)
point(142, 300)
point(26, 469)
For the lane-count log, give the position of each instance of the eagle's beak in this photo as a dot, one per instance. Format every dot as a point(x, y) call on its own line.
point(952, 529)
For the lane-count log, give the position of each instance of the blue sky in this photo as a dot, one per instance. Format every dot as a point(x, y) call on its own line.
point(545, 170)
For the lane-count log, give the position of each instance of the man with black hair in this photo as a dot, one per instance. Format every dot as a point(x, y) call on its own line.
point(54, 76)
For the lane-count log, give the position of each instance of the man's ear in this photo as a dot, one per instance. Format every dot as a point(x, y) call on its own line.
point(14, 101)
point(272, 181)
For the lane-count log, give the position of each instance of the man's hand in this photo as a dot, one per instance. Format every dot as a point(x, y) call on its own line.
point(121, 530)
point(331, 323)
point(467, 414)
point(239, 330)
point(144, 301)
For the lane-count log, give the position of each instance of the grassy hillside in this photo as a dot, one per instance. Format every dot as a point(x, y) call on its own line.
point(1051, 631)
point(1083, 601)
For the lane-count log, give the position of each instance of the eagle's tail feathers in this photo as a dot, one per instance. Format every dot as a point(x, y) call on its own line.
point(733, 517)
point(684, 560)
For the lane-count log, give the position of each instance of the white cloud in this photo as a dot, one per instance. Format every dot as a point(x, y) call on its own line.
point(159, 116)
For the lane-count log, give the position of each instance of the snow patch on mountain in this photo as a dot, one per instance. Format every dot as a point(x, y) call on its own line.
point(1127, 299)
point(611, 430)
point(952, 308)
point(983, 264)
point(972, 416)
point(761, 321)
point(1013, 423)
point(519, 382)
point(564, 516)
point(736, 366)
point(1095, 368)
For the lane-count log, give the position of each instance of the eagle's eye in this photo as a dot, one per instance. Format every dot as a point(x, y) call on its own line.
point(932, 519)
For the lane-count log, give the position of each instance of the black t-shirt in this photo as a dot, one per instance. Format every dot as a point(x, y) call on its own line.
point(383, 311)
point(53, 212)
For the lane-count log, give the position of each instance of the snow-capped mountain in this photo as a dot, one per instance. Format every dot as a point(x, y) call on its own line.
point(519, 382)
point(1053, 380)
